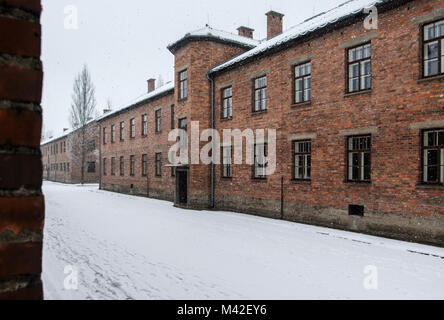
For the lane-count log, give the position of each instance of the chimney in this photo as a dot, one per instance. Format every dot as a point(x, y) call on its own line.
point(65, 129)
point(89, 119)
point(105, 111)
point(245, 32)
point(274, 24)
point(151, 85)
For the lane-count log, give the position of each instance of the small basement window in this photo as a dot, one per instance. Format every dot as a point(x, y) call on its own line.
point(355, 210)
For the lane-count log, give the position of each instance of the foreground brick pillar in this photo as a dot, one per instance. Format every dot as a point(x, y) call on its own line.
point(21, 199)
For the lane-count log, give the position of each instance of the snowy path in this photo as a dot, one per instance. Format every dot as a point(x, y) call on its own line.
point(127, 247)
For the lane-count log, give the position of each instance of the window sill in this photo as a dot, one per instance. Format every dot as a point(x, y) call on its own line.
point(258, 113)
point(356, 93)
point(433, 78)
point(259, 179)
point(226, 119)
point(429, 186)
point(226, 178)
point(301, 104)
point(358, 183)
point(182, 100)
point(301, 181)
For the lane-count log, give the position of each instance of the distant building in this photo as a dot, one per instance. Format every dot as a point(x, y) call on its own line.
point(62, 156)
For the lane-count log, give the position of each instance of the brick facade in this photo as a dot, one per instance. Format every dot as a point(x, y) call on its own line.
point(399, 105)
point(62, 158)
point(21, 199)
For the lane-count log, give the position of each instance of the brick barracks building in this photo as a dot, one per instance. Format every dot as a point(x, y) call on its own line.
point(359, 116)
point(62, 157)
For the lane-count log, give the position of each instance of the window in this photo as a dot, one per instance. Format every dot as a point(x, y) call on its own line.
point(183, 85)
point(132, 128)
point(158, 120)
point(67, 167)
point(227, 103)
point(132, 165)
point(172, 116)
point(302, 160)
point(64, 146)
point(122, 166)
point(104, 166)
point(433, 156)
point(144, 165)
point(113, 166)
point(183, 124)
point(158, 164)
point(302, 83)
point(122, 131)
point(227, 162)
point(91, 146)
point(359, 68)
point(104, 135)
point(359, 159)
point(433, 43)
point(113, 133)
point(144, 125)
point(260, 161)
point(64, 167)
point(260, 94)
point(91, 167)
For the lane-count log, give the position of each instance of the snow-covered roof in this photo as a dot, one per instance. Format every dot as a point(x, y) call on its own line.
point(208, 32)
point(344, 10)
point(64, 134)
point(169, 86)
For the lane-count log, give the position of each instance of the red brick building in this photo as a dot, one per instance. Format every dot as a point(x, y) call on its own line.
point(359, 116)
point(62, 156)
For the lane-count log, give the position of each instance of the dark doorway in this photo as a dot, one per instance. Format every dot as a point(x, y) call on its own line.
point(182, 183)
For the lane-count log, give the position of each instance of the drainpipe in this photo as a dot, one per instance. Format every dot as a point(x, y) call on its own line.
point(212, 143)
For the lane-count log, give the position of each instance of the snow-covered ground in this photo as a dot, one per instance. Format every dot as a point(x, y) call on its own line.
point(128, 247)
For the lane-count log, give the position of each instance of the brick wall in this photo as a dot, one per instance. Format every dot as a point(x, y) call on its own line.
point(161, 187)
point(21, 199)
point(63, 164)
point(395, 202)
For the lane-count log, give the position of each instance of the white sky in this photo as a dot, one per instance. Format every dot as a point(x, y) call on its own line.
point(124, 42)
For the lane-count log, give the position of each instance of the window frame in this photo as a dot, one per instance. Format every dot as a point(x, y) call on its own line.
point(113, 133)
point(122, 131)
point(229, 166)
point(440, 53)
point(183, 85)
point(91, 167)
point(104, 166)
point(230, 107)
point(255, 89)
point(113, 166)
point(158, 119)
point(439, 149)
point(158, 164)
point(306, 164)
point(132, 128)
point(144, 125)
point(104, 136)
point(255, 176)
point(132, 165)
point(360, 166)
point(359, 61)
point(144, 165)
point(122, 166)
point(296, 78)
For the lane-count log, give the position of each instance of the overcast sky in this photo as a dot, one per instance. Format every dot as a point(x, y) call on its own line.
point(124, 42)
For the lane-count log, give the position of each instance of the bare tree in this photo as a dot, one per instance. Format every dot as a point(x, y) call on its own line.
point(82, 110)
